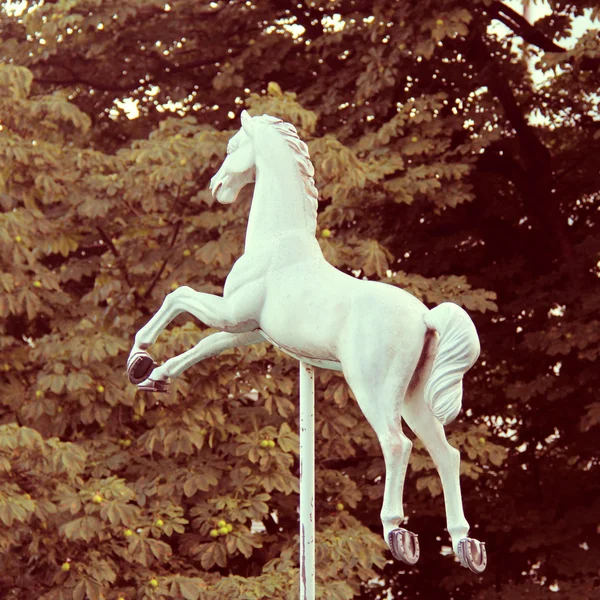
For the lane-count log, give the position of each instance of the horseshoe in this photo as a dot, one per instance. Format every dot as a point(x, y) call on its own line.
point(155, 385)
point(472, 555)
point(141, 364)
point(404, 545)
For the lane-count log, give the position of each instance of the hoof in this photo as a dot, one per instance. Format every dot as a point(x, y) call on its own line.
point(140, 366)
point(154, 385)
point(472, 555)
point(404, 545)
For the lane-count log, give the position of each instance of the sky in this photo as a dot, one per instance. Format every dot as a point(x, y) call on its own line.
point(540, 8)
point(536, 10)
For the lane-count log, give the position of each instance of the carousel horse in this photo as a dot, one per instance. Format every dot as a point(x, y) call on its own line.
point(401, 360)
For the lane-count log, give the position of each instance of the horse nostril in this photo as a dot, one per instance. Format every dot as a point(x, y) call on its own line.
point(216, 190)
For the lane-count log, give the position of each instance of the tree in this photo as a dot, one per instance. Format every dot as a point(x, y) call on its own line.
point(432, 176)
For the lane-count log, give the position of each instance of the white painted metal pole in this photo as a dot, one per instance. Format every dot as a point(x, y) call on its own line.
point(307, 482)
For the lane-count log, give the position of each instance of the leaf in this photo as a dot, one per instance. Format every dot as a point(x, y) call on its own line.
point(425, 48)
point(17, 80)
point(119, 513)
point(52, 382)
point(199, 482)
point(103, 571)
point(244, 545)
point(79, 590)
point(591, 417)
point(213, 554)
point(78, 380)
point(85, 528)
point(161, 550)
point(189, 587)
point(288, 440)
point(274, 89)
point(69, 500)
point(420, 462)
point(259, 505)
point(93, 590)
point(285, 407)
point(67, 458)
point(13, 509)
point(30, 438)
point(374, 258)
point(432, 483)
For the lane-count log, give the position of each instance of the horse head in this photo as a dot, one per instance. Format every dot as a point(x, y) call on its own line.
point(238, 169)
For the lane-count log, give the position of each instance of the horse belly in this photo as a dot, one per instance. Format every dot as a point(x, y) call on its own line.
point(312, 312)
point(303, 320)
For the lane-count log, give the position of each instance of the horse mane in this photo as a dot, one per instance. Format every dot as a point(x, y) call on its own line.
point(307, 171)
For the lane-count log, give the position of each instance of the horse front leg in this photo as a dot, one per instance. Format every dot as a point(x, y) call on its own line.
point(210, 346)
point(236, 314)
point(396, 448)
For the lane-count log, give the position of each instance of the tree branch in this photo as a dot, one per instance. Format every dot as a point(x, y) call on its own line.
point(76, 80)
point(108, 241)
point(161, 67)
point(164, 262)
point(535, 155)
point(171, 244)
point(522, 27)
point(537, 185)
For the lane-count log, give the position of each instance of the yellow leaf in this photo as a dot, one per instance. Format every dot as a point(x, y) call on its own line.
point(274, 89)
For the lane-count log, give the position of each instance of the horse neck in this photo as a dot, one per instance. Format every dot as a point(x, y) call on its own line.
point(280, 206)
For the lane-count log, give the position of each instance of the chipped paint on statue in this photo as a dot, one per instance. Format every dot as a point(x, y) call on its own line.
point(402, 360)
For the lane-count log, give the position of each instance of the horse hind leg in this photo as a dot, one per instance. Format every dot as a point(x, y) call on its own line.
point(430, 431)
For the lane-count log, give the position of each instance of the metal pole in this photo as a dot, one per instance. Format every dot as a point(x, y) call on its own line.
point(307, 482)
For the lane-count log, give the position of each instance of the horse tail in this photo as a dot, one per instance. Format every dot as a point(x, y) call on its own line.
point(458, 350)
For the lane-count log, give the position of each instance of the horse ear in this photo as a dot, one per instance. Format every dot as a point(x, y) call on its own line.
point(247, 125)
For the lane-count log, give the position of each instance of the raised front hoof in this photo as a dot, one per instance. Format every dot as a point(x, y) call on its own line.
point(472, 555)
point(404, 545)
point(141, 364)
point(154, 385)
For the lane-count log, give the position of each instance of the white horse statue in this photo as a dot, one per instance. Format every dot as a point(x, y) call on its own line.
point(402, 360)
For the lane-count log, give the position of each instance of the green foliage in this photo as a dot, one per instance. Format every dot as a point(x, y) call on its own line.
point(431, 177)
